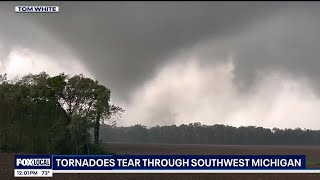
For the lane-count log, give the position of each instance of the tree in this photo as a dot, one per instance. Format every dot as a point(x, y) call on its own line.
point(52, 114)
point(196, 133)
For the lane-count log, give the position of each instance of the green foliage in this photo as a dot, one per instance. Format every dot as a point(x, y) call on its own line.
point(43, 114)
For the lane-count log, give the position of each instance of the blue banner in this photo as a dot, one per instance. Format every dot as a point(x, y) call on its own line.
point(161, 162)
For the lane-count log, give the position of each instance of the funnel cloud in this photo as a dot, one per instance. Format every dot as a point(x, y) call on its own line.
point(236, 63)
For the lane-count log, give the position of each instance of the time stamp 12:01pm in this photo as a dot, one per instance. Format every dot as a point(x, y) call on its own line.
point(32, 173)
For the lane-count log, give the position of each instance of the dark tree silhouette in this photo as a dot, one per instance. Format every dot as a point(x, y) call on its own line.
point(195, 133)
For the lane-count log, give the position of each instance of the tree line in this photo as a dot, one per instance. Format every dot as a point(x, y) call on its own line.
point(66, 114)
point(54, 115)
point(196, 133)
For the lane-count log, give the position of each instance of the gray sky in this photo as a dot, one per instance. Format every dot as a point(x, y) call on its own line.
point(238, 63)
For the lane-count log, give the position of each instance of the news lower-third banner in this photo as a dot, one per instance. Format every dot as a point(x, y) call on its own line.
point(47, 165)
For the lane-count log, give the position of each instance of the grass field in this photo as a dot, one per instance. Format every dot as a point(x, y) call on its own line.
point(312, 153)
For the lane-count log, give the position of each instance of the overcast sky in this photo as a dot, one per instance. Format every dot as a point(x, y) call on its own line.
point(235, 63)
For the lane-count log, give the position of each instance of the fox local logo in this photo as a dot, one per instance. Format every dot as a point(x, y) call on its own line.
point(37, 9)
point(33, 162)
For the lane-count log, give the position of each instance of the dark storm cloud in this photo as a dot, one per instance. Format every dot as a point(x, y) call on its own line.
point(122, 43)
point(168, 62)
point(286, 41)
point(17, 30)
